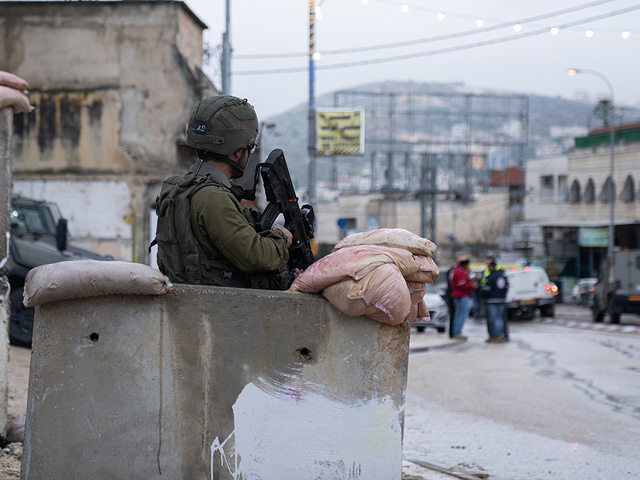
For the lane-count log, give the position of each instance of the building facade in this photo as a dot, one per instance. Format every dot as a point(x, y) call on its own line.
point(568, 198)
point(113, 84)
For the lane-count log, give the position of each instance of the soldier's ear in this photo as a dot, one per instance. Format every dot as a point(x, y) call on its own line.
point(237, 155)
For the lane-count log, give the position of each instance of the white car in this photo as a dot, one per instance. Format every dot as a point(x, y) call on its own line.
point(530, 290)
point(438, 311)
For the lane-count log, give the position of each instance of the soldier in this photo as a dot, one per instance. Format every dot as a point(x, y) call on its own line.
point(205, 236)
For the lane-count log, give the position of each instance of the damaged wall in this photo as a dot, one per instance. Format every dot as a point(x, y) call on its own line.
point(113, 92)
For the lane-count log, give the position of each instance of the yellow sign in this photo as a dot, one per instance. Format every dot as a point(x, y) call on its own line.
point(340, 131)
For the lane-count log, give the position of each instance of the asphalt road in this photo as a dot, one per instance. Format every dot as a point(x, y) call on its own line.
point(560, 401)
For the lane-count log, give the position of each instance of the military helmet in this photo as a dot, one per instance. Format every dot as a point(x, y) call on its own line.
point(223, 124)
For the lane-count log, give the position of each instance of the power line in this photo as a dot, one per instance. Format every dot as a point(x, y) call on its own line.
point(427, 39)
point(438, 51)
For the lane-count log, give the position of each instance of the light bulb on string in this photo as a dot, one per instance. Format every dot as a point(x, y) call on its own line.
point(317, 56)
point(626, 34)
point(589, 33)
point(517, 27)
point(554, 31)
point(479, 22)
point(404, 8)
point(441, 16)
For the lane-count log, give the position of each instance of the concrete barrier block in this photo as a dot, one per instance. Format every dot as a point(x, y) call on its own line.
point(214, 383)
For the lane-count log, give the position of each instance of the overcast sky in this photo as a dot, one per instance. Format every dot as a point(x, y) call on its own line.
point(531, 64)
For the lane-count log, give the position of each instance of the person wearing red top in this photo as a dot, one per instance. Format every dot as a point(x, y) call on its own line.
point(461, 293)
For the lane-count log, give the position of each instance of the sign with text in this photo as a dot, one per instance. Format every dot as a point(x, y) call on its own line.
point(340, 131)
point(593, 236)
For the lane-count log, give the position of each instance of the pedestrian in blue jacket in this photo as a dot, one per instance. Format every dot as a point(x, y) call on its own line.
point(495, 293)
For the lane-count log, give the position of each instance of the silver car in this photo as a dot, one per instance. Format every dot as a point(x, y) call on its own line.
point(438, 311)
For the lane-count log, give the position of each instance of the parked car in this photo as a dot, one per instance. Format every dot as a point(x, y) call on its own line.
point(38, 237)
point(583, 290)
point(438, 311)
point(530, 290)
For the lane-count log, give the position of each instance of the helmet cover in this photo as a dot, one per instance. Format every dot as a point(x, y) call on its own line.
point(223, 124)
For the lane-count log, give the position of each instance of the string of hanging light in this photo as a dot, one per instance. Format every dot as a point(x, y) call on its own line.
point(517, 26)
point(441, 50)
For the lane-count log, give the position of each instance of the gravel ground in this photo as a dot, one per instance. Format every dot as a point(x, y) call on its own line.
point(19, 359)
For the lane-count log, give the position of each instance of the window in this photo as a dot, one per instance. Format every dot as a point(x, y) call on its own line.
point(546, 188)
point(574, 193)
point(562, 188)
point(605, 194)
point(590, 192)
point(628, 192)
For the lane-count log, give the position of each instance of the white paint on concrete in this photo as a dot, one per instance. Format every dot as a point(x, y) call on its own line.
point(308, 435)
point(4, 261)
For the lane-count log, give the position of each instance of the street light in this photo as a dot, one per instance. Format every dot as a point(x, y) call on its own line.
point(612, 128)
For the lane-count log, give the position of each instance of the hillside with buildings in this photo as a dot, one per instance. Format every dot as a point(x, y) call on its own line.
point(553, 122)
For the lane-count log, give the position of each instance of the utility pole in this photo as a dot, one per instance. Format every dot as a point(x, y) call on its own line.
point(311, 188)
point(226, 53)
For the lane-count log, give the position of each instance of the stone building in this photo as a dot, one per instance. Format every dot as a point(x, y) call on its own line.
point(113, 83)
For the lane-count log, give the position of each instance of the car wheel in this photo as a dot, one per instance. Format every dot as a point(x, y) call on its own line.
point(615, 317)
point(420, 329)
point(547, 311)
point(440, 329)
point(21, 321)
point(598, 314)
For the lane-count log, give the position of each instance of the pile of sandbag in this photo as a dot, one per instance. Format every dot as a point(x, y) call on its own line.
point(380, 274)
point(13, 90)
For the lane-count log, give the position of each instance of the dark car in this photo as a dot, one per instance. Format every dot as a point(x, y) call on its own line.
point(38, 237)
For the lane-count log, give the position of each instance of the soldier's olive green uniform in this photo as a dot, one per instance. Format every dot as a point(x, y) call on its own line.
point(219, 223)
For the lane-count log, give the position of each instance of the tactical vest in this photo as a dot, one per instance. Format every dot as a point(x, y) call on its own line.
point(180, 256)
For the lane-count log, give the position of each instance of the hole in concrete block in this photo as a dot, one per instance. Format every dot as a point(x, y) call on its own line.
point(94, 337)
point(305, 354)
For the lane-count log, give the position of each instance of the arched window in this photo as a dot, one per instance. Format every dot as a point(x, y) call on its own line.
point(590, 192)
point(629, 191)
point(605, 194)
point(574, 192)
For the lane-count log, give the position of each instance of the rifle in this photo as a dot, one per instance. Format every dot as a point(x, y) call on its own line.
point(282, 199)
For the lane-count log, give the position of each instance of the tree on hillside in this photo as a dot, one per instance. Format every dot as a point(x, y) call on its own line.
point(604, 111)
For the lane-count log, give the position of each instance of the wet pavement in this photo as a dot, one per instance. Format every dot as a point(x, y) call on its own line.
point(560, 401)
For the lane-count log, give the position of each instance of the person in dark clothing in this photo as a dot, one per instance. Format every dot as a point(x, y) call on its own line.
point(494, 293)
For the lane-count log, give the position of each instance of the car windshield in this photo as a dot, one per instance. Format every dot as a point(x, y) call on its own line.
point(33, 219)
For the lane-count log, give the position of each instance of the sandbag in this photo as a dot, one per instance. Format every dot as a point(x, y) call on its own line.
point(354, 263)
point(420, 312)
point(427, 273)
point(14, 99)
point(91, 278)
point(381, 295)
point(13, 81)
point(390, 237)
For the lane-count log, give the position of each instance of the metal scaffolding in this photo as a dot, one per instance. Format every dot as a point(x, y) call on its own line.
point(430, 144)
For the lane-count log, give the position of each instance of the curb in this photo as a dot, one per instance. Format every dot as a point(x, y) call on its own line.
point(605, 327)
point(464, 475)
point(436, 347)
